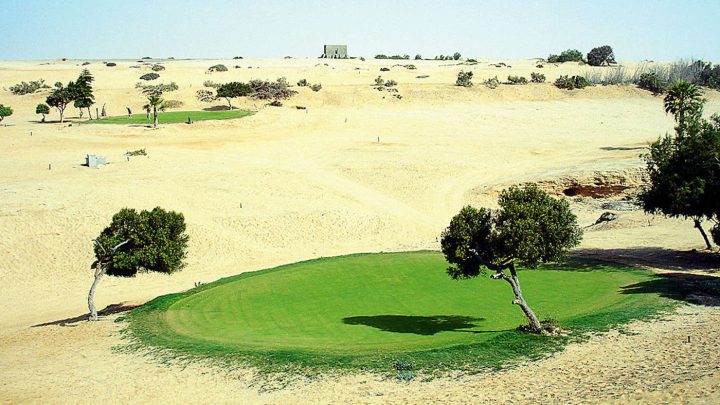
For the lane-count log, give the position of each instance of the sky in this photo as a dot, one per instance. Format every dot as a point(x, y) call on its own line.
point(660, 30)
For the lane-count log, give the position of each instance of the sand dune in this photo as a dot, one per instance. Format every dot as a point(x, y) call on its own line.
point(285, 185)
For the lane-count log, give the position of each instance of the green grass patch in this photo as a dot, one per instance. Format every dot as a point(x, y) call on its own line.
point(367, 311)
point(174, 117)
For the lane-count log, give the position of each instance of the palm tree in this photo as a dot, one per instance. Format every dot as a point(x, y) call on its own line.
point(684, 100)
point(157, 104)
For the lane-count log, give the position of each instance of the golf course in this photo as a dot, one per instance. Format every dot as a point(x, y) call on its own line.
point(174, 117)
point(367, 310)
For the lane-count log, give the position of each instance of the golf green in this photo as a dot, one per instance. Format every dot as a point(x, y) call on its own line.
point(388, 304)
point(173, 117)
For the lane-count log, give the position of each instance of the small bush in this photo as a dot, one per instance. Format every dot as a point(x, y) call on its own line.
point(237, 57)
point(276, 103)
point(464, 79)
point(418, 57)
point(158, 68)
point(362, 59)
point(492, 83)
point(5, 112)
point(537, 77)
point(85, 63)
point(156, 88)
point(218, 68)
point(571, 55)
point(410, 67)
point(517, 80)
point(390, 83)
point(302, 83)
point(205, 96)
point(23, 88)
point(316, 87)
point(111, 64)
point(471, 61)
point(170, 104)
point(379, 81)
point(149, 76)
point(384, 69)
point(264, 90)
point(571, 83)
point(137, 152)
point(651, 82)
point(211, 84)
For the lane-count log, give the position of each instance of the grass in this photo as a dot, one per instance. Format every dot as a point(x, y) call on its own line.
point(369, 311)
point(174, 117)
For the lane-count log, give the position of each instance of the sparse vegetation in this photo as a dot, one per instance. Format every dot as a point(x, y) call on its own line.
point(398, 57)
point(157, 68)
point(265, 90)
point(157, 88)
point(517, 80)
point(464, 79)
point(217, 68)
point(316, 87)
point(572, 82)
point(206, 96)
point(23, 88)
point(172, 104)
point(651, 82)
point(149, 76)
point(570, 55)
point(211, 84)
point(537, 77)
point(492, 83)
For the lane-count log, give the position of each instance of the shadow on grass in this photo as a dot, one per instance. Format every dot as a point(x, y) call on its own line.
point(614, 148)
point(108, 310)
point(656, 257)
point(692, 288)
point(218, 108)
point(419, 325)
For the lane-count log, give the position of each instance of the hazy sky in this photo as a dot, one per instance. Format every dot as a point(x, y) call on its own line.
point(100, 29)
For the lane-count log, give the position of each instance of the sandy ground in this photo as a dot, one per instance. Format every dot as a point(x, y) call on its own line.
point(288, 184)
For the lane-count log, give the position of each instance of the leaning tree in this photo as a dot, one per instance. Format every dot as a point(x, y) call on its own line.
point(231, 90)
point(529, 228)
point(42, 109)
point(139, 241)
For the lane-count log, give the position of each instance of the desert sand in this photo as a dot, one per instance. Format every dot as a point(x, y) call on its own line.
point(357, 171)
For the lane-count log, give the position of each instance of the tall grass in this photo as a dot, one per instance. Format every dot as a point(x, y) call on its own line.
point(687, 70)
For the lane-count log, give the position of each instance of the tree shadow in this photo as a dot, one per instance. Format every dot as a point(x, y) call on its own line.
point(219, 108)
point(419, 325)
point(656, 258)
point(692, 288)
point(614, 148)
point(108, 310)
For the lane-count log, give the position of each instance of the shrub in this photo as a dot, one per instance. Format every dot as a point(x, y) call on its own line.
point(709, 75)
point(23, 88)
point(651, 82)
point(571, 55)
point(615, 75)
point(390, 83)
point(218, 68)
point(276, 103)
point(149, 76)
point(492, 83)
point(211, 84)
point(384, 69)
point(170, 104)
point(602, 55)
point(158, 68)
point(471, 61)
point(85, 63)
point(264, 90)
point(237, 57)
point(570, 83)
point(464, 79)
point(111, 64)
point(517, 80)
point(418, 57)
point(379, 81)
point(43, 109)
point(5, 112)
point(302, 83)
point(410, 67)
point(456, 56)
point(157, 88)
point(316, 87)
point(537, 77)
point(206, 96)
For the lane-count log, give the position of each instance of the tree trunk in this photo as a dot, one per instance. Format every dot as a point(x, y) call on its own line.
point(89, 114)
point(519, 299)
point(229, 104)
point(61, 115)
point(43, 118)
point(99, 272)
point(155, 117)
point(698, 225)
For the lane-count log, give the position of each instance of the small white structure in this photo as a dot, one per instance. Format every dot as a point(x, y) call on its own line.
point(94, 161)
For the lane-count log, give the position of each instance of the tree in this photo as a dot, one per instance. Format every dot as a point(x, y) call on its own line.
point(418, 57)
point(456, 56)
point(684, 173)
point(82, 91)
point(42, 109)
point(602, 55)
point(5, 112)
point(157, 104)
point(146, 240)
point(60, 97)
point(684, 101)
point(231, 90)
point(529, 228)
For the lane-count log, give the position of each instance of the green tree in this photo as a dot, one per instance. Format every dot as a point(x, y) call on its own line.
point(231, 90)
point(684, 101)
point(418, 57)
point(60, 97)
point(146, 240)
point(43, 109)
point(684, 174)
point(529, 228)
point(157, 104)
point(602, 55)
point(82, 91)
point(5, 112)
point(456, 56)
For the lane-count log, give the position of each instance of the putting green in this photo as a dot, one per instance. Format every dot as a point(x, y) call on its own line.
point(351, 308)
point(173, 117)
